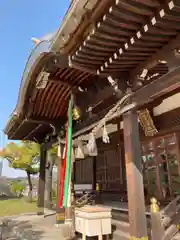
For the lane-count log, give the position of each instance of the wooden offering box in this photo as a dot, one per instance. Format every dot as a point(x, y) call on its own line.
point(93, 221)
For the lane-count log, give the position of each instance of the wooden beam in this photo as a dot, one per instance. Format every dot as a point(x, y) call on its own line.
point(83, 68)
point(37, 121)
point(85, 100)
point(162, 54)
point(161, 86)
point(45, 120)
point(33, 131)
point(136, 202)
point(17, 129)
point(57, 60)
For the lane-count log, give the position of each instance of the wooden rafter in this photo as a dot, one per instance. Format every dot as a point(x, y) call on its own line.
point(96, 41)
point(153, 27)
point(59, 81)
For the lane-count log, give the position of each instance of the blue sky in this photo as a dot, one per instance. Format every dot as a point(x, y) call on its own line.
point(19, 21)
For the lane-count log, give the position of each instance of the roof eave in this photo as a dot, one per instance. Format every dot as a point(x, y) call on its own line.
point(9, 125)
point(76, 13)
point(27, 76)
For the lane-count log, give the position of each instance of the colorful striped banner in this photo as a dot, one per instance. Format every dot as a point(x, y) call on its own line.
point(68, 160)
point(63, 173)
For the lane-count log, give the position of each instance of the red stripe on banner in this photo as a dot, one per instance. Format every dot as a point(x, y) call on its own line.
point(63, 173)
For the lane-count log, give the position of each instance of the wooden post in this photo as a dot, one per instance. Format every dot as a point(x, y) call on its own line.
point(121, 154)
point(94, 173)
point(136, 202)
point(41, 187)
point(48, 186)
point(70, 211)
point(60, 212)
point(94, 179)
point(157, 228)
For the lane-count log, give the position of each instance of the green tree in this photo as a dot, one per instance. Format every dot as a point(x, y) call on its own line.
point(17, 188)
point(24, 156)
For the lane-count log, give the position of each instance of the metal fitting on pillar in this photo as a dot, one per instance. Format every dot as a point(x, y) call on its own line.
point(154, 205)
point(156, 223)
point(97, 187)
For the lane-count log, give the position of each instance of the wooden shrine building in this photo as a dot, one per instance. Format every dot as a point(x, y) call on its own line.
point(103, 51)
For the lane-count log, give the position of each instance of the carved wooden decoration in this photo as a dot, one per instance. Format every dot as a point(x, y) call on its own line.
point(147, 123)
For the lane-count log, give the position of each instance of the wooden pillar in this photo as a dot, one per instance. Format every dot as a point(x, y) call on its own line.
point(94, 173)
point(94, 179)
point(136, 202)
point(70, 211)
point(121, 155)
point(41, 187)
point(60, 212)
point(48, 185)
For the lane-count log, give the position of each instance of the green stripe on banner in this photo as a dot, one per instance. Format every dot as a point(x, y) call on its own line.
point(68, 161)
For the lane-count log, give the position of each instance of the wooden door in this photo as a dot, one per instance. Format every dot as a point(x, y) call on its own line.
point(109, 170)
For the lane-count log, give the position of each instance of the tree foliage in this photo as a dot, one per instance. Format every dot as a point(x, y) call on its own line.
point(23, 155)
point(17, 188)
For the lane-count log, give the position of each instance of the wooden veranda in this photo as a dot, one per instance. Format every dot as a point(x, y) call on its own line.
point(115, 47)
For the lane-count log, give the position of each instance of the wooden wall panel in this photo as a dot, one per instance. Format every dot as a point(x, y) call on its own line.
point(84, 171)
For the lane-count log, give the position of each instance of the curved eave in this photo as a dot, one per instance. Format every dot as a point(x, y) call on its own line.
point(26, 130)
point(48, 106)
point(44, 107)
point(77, 22)
point(36, 60)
